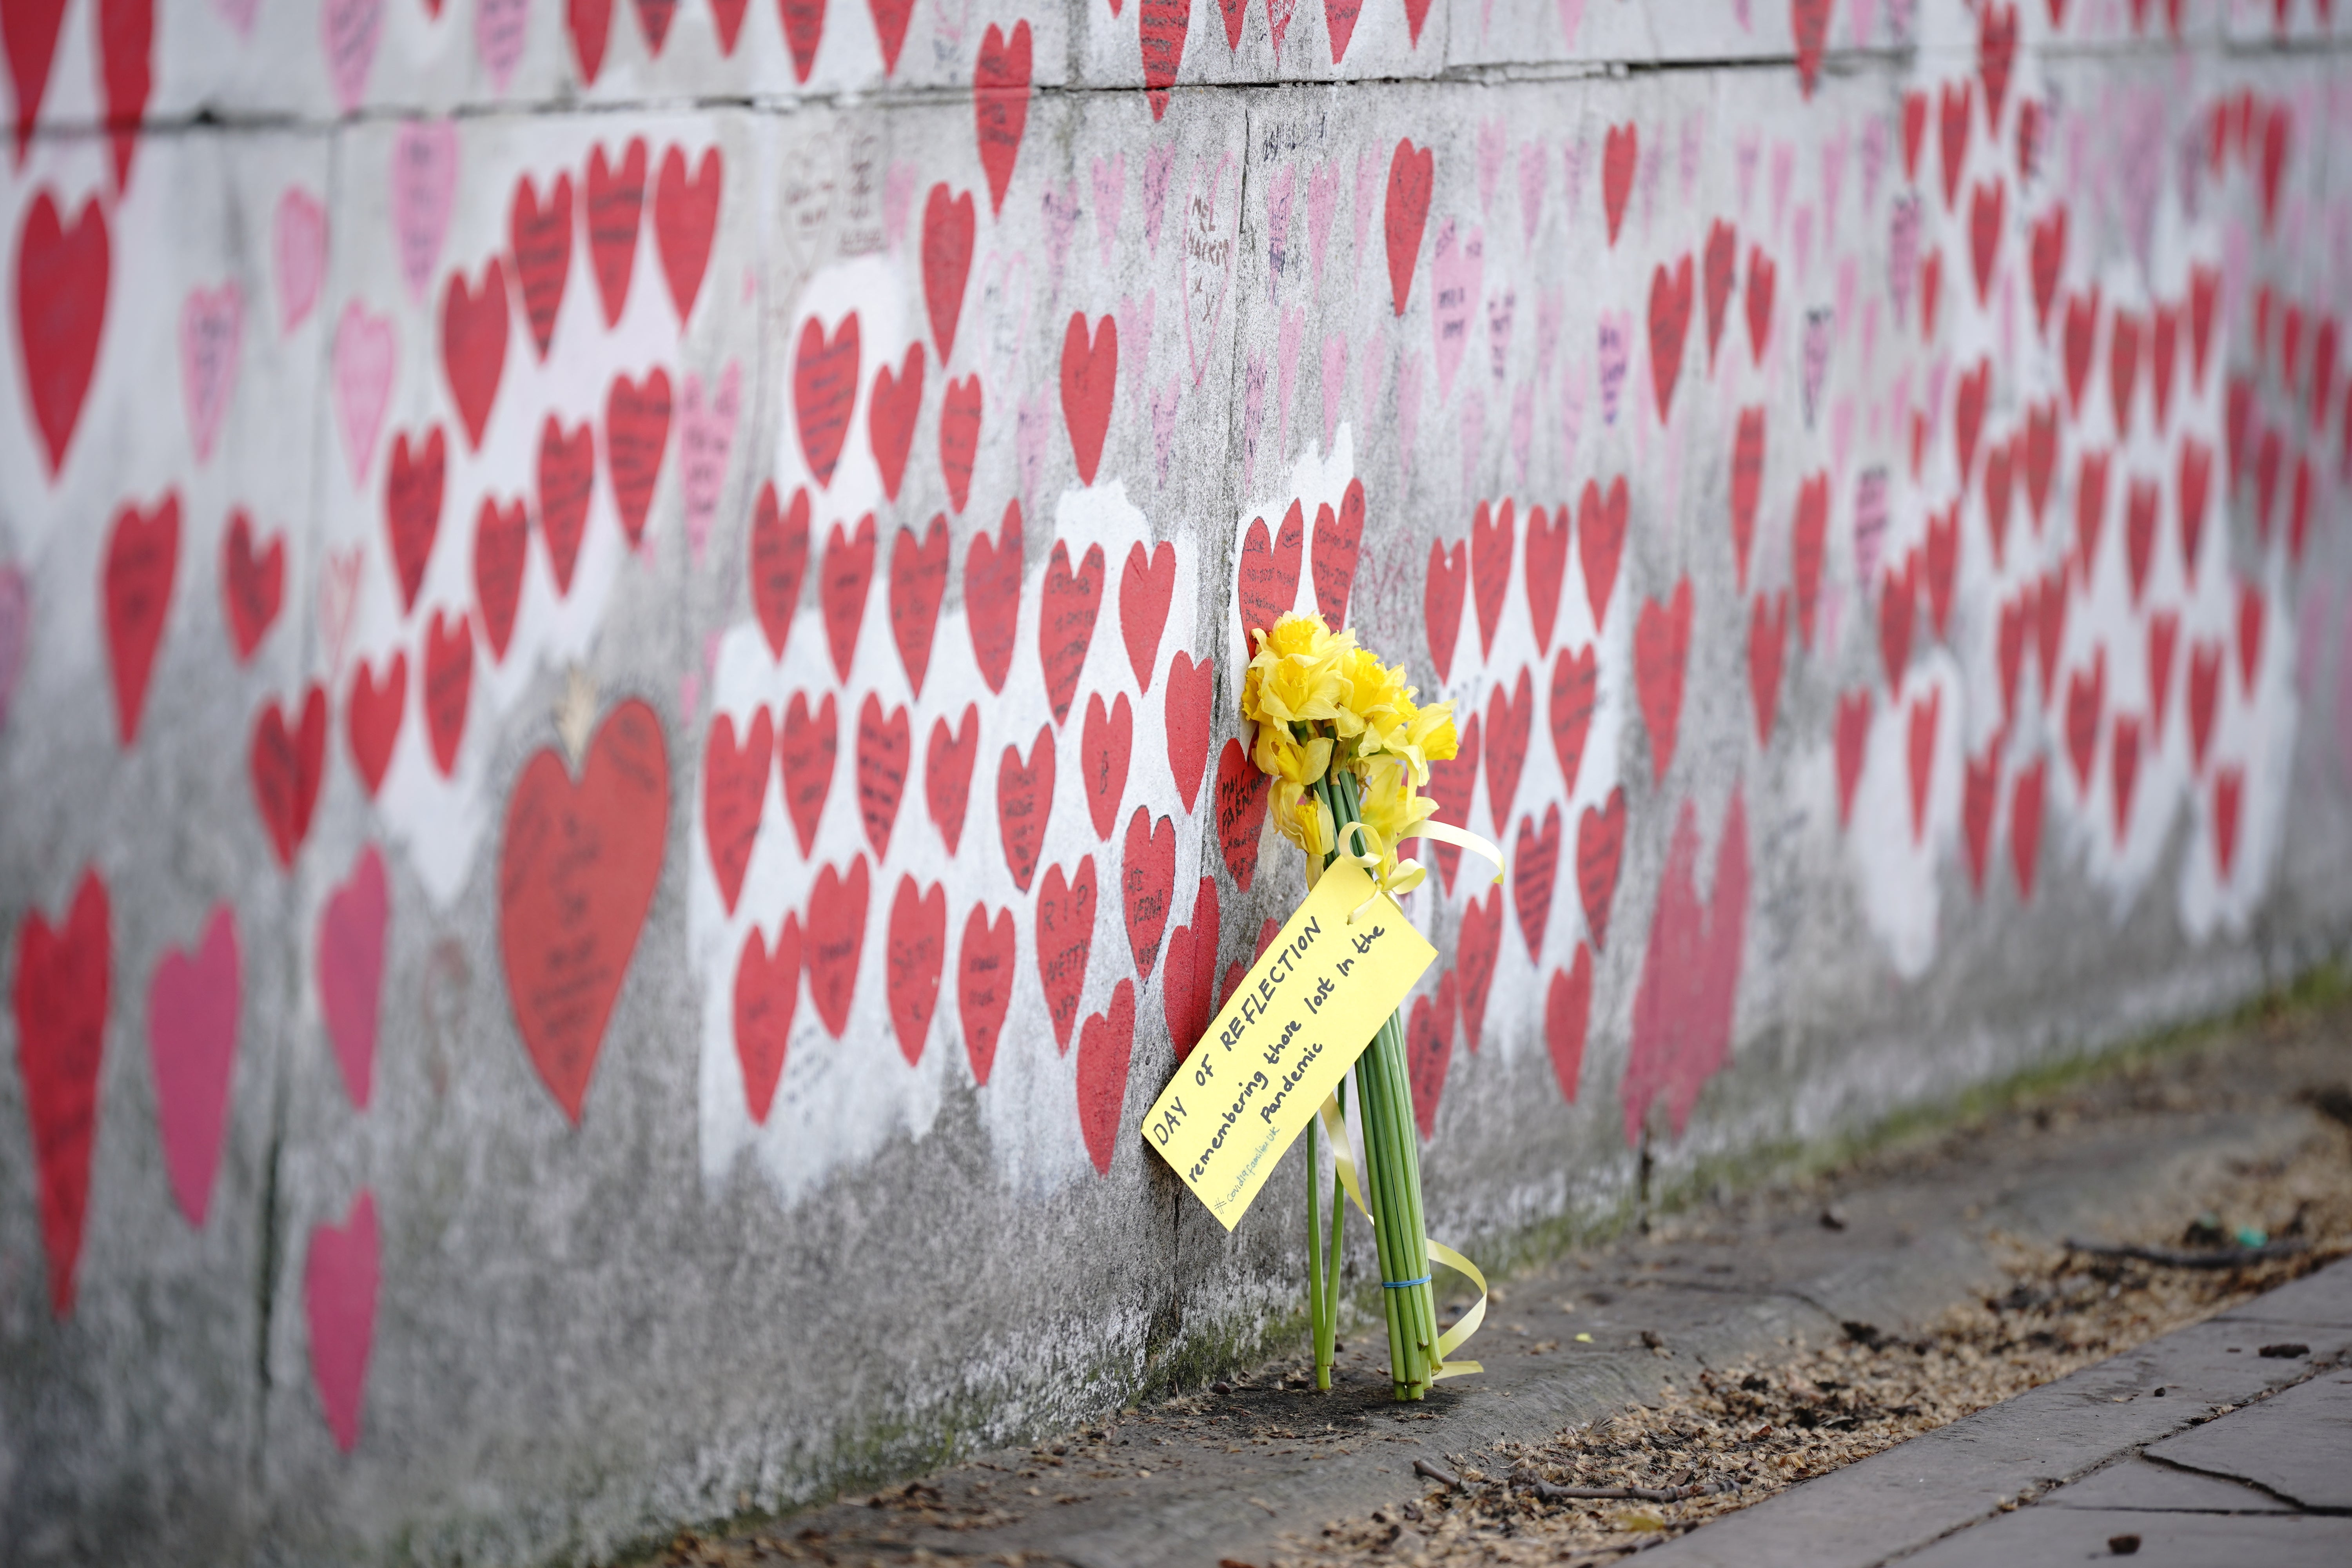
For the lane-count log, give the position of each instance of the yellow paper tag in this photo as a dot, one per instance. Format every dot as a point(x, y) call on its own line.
point(1301, 1017)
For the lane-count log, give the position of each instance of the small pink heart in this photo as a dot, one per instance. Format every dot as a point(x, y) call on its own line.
point(339, 601)
point(366, 354)
point(423, 183)
point(501, 27)
point(212, 324)
point(301, 247)
point(349, 30)
point(1458, 271)
point(239, 14)
point(1322, 206)
point(340, 1280)
point(192, 1017)
point(351, 970)
point(898, 199)
point(706, 431)
point(1616, 349)
point(1110, 197)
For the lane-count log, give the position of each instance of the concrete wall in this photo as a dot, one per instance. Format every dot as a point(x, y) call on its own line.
point(553, 991)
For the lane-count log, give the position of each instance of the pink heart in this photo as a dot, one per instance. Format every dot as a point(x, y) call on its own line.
point(897, 198)
point(1616, 352)
point(1532, 159)
point(1164, 423)
point(704, 433)
point(366, 353)
point(498, 32)
point(192, 1016)
point(1322, 206)
point(212, 322)
point(239, 14)
point(1571, 18)
point(424, 182)
point(351, 970)
point(15, 623)
point(339, 1289)
point(1034, 423)
point(350, 29)
point(1458, 269)
point(1494, 142)
point(339, 600)
point(1110, 196)
point(302, 245)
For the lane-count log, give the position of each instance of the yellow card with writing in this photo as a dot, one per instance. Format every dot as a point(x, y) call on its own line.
point(1305, 1012)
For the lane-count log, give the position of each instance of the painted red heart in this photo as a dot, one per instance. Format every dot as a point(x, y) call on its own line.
point(567, 478)
point(1687, 998)
point(885, 757)
point(1547, 568)
point(539, 242)
point(61, 294)
point(2089, 510)
point(1568, 1011)
point(286, 762)
point(1106, 740)
point(2025, 824)
point(843, 583)
point(1534, 865)
point(947, 773)
point(2019, 616)
point(1601, 541)
point(1853, 733)
point(1236, 15)
point(636, 434)
point(2140, 534)
point(1761, 275)
point(342, 1275)
point(1999, 481)
point(2086, 694)
point(1429, 1049)
point(2123, 367)
point(734, 791)
point(1661, 650)
point(1979, 797)
point(1722, 261)
point(2081, 335)
point(475, 325)
point(1105, 1049)
point(1065, 935)
point(824, 391)
point(779, 546)
point(63, 975)
point(1241, 811)
point(1996, 52)
point(29, 32)
point(2204, 697)
point(143, 561)
point(373, 717)
point(1413, 174)
point(412, 509)
point(890, 417)
point(1267, 579)
point(992, 596)
point(2164, 353)
point(1898, 602)
point(767, 995)
point(616, 201)
point(1089, 381)
point(1747, 486)
point(917, 955)
point(1809, 546)
point(590, 23)
point(1809, 26)
point(1147, 880)
point(984, 976)
point(2040, 456)
point(1161, 26)
point(448, 686)
point(833, 938)
point(1188, 985)
point(1954, 101)
point(2195, 480)
point(1670, 315)
point(727, 16)
point(1476, 951)
point(1931, 286)
point(1441, 603)
point(1451, 785)
point(1146, 586)
point(1000, 93)
point(253, 585)
point(1188, 697)
point(1987, 202)
point(685, 218)
point(1767, 642)
point(1621, 154)
point(948, 222)
point(1068, 603)
point(804, 24)
point(1968, 415)
point(654, 16)
point(351, 970)
point(1915, 130)
point(193, 1003)
point(1939, 564)
point(1024, 803)
point(2266, 474)
point(2051, 631)
point(1575, 688)
point(960, 411)
point(1926, 713)
point(1509, 718)
point(2250, 607)
point(806, 748)
point(1600, 851)
point(2204, 288)
point(918, 579)
point(2048, 260)
point(1493, 539)
point(501, 541)
point(2124, 770)
point(2163, 635)
point(126, 50)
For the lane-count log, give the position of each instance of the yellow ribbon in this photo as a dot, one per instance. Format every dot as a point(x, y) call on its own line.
point(1343, 1161)
point(1372, 852)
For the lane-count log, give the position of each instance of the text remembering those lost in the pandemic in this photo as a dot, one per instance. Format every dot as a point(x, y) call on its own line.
point(1311, 1003)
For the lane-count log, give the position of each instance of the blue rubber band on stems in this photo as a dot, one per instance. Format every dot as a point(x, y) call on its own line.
point(1403, 1284)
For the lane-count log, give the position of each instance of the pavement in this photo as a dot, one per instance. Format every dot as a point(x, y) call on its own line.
point(2225, 1444)
point(1241, 1473)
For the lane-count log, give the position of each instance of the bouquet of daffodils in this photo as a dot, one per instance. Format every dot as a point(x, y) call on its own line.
point(1348, 751)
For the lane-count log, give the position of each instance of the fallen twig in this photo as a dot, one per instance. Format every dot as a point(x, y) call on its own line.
point(1438, 1473)
point(1550, 1493)
point(2172, 1258)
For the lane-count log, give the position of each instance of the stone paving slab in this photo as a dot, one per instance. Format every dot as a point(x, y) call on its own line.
point(2141, 1485)
point(2046, 1538)
point(2298, 1445)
